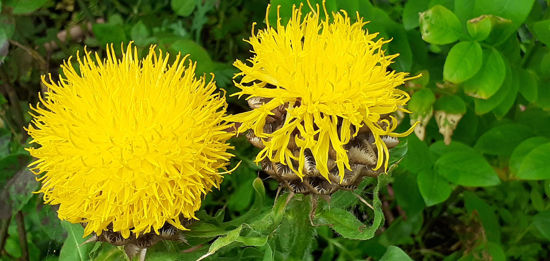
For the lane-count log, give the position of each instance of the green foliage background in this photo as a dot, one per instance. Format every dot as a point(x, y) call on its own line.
point(476, 187)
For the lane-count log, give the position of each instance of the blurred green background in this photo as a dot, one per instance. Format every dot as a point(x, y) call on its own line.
point(474, 184)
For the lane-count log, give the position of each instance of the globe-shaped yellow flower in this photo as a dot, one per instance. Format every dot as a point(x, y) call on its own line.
point(128, 144)
point(331, 77)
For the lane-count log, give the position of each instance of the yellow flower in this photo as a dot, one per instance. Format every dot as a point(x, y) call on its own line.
point(332, 77)
point(129, 144)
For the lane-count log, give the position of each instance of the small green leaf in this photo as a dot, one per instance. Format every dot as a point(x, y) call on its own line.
point(541, 222)
point(183, 7)
point(433, 188)
point(501, 140)
point(26, 6)
point(480, 27)
point(395, 254)
point(109, 33)
point(542, 31)
point(535, 165)
point(220, 242)
point(519, 153)
point(450, 104)
point(421, 101)
point(463, 62)
point(411, 12)
point(466, 168)
point(140, 34)
point(196, 52)
point(439, 25)
point(489, 78)
point(529, 85)
point(418, 156)
point(73, 249)
point(483, 106)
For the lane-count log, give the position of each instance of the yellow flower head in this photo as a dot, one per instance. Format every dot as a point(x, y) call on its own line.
point(129, 144)
point(332, 78)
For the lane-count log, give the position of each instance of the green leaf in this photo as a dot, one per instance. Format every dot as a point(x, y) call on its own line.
point(501, 140)
point(347, 224)
point(407, 194)
point(466, 168)
point(486, 213)
point(295, 235)
point(411, 12)
point(433, 188)
point(483, 106)
point(529, 85)
point(73, 249)
point(395, 254)
point(450, 104)
point(220, 242)
point(26, 6)
point(196, 52)
point(109, 33)
point(519, 153)
point(535, 165)
point(421, 101)
point(489, 78)
point(418, 156)
point(480, 27)
point(542, 31)
point(463, 62)
point(439, 25)
point(183, 7)
point(541, 222)
point(140, 34)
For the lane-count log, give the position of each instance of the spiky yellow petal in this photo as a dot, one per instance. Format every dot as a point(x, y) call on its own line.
point(128, 143)
point(331, 74)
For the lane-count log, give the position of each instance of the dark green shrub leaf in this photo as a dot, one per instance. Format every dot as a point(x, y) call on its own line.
point(407, 193)
point(542, 30)
point(196, 54)
point(109, 33)
point(463, 62)
point(489, 78)
point(433, 188)
point(503, 139)
point(535, 165)
point(140, 34)
point(519, 153)
point(439, 25)
point(421, 102)
point(541, 222)
point(466, 168)
point(395, 254)
point(450, 104)
point(411, 12)
point(183, 7)
point(480, 27)
point(483, 106)
point(418, 156)
point(529, 85)
point(486, 213)
point(73, 249)
point(26, 6)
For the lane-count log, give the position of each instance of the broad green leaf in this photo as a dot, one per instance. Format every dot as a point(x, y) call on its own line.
point(480, 27)
point(450, 104)
point(506, 104)
point(183, 7)
point(140, 34)
point(519, 153)
point(109, 33)
point(411, 12)
point(535, 165)
point(486, 213)
point(503, 139)
point(295, 236)
point(541, 222)
point(439, 148)
point(418, 156)
point(241, 198)
point(433, 188)
point(407, 194)
point(542, 31)
point(483, 106)
point(439, 25)
point(196, 52)
point(466, 168)
point(489, 78)
point(496, 251)
point(421, 101)
point(529, 85)
point(26, 6)
point(536, 200)
point(463, 62)
point(73, 249)
point(395, 254)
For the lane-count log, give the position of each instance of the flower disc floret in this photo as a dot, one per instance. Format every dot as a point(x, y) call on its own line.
point(127, 145)
point(332, 77)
